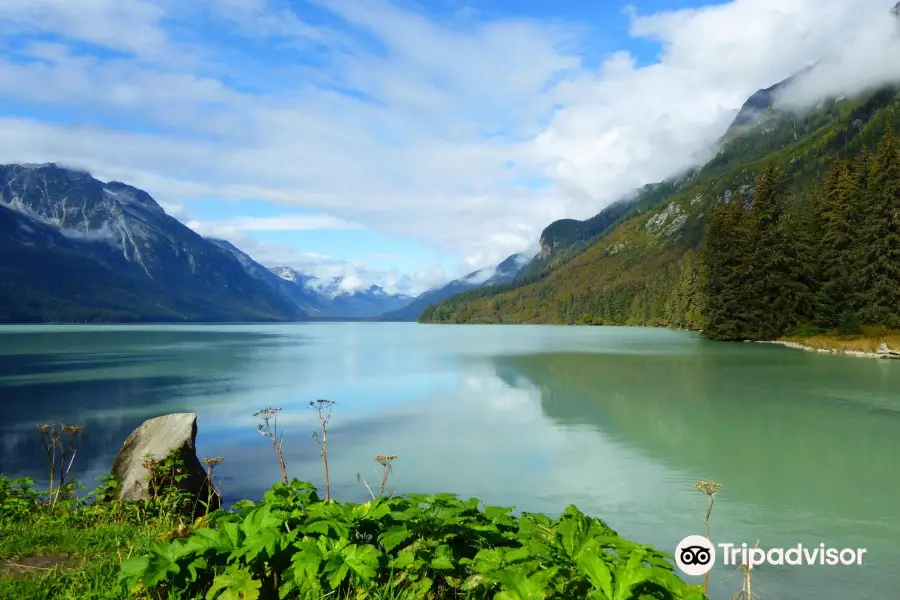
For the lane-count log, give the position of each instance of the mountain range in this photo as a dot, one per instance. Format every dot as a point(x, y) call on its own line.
point(655, 259)
point(489, 277)
point(76, 249)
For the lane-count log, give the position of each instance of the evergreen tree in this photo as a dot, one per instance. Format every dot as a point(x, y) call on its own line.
point(838, 230)
point(861, 211)
point(724, 256)
point(684, 308)
point(879, 280)
point(770, 313)
point(798, 299)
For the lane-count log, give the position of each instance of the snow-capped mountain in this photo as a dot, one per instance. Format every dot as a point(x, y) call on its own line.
point(76, 248)
point(504, 272)
point(335, 301)
point(304, 298)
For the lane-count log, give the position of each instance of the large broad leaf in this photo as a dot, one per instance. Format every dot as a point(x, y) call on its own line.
point(306, 561)
point(230, 537)
point(266, 543)
point(599, 574)
point(442, 559)
point(259, 519)
point(394, 536)
point(499, 515)
point(631, 574)
point(489, 561)
point(157, 565)
point(196, 567)
point(518, 586)
point(404, 560)
point(202, 541)
point(374, 510)
point(330, 527)
point(336, 571)
point(133, 570)
point(234, 585)
point(573, 531)
point(362, 560)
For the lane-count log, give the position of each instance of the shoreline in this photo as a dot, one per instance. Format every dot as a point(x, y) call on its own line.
point(881, 354)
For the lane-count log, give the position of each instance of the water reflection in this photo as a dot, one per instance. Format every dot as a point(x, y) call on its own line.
point(110, 382)
point(805, 445)
point(619, 422)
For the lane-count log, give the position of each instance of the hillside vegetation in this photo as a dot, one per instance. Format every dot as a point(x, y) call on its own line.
point(778, 234)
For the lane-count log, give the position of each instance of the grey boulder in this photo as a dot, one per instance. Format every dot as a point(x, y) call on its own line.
point(174, 434)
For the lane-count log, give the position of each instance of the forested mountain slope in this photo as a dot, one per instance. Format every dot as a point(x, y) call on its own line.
point(666, 266)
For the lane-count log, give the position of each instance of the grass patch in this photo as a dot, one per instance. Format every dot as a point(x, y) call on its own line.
point(866, 341)
point(57, 556)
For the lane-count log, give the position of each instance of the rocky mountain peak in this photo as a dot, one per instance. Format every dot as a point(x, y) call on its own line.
point(73, 200)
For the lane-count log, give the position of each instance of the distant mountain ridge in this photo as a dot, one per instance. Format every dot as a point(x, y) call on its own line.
point(333, 301)
point(510, 268)
point(73, 248)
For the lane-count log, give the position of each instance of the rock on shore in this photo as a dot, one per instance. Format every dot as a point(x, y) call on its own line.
point(159, 437)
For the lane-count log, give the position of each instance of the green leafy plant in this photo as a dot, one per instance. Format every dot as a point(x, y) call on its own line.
point(165, 497)
point(293, 544)
point(18, 498)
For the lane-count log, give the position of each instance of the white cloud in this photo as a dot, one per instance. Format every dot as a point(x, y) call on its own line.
point(869, 58)
point(355, 275)
point(230, 227)
point(446, 121)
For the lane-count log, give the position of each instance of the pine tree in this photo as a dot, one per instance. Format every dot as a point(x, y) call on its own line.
point(838, 230)
point(770, 313)
point(862, 207)
point(724, 257)
point(800, 262)
point(879, 279)
point(690, 292)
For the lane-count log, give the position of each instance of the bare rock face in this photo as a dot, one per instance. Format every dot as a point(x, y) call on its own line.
point(169, 434)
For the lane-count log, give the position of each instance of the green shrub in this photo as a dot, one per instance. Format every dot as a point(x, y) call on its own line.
point(294, 545)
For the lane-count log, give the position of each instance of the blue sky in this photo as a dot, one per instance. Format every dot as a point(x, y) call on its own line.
point(397, 143)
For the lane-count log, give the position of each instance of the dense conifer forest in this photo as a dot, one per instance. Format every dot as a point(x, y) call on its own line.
point(790, 230)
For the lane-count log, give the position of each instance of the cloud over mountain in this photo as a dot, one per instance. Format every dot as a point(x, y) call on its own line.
point(465, 133)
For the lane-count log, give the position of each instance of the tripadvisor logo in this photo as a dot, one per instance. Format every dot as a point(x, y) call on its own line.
point(696, 555)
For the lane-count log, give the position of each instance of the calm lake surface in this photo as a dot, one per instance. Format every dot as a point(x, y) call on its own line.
point(618, 421)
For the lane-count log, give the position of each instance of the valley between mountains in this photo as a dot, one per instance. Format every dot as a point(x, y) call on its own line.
point(76, 249)
point(790, 230)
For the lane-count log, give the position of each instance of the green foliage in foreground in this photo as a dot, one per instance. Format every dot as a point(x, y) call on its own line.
point(292, 544)
point(71, 548)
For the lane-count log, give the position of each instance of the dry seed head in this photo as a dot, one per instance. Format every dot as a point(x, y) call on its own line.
point(213, 461)
point(385, 459)
point(710, 488)
point(72, 429)
point(43, 429)
point(267, 412)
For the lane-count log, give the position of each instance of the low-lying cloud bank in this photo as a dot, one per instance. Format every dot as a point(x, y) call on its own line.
point(868, 58)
